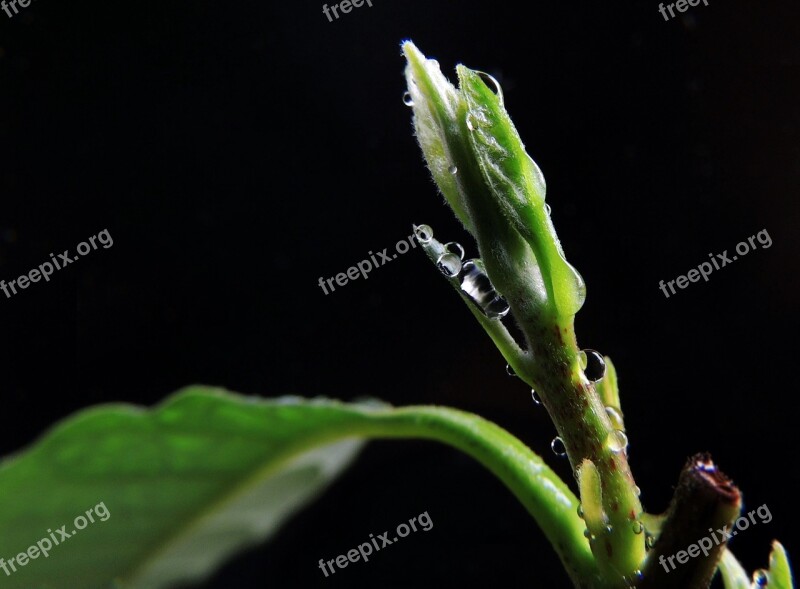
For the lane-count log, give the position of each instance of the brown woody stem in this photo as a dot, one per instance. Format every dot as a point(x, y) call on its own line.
point(695, 532)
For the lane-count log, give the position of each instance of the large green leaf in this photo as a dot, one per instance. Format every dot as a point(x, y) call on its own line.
point(207, 472)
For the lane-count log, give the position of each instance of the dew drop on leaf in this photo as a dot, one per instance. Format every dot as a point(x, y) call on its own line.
point(493, 84)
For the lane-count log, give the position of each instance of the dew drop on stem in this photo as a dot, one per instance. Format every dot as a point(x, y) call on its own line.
point(615, 417)
point(593, 365)
point(477, 286)
point(423, 233)
point(558, 447)
point(617, 441)
point(455, 248)
point(449, 264)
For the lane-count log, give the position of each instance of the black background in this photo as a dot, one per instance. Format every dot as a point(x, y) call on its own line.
point(237, 152)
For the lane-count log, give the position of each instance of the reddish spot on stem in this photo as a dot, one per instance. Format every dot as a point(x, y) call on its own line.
point(632, 515)
point(615, 506)
point(558, 334)
point(612, 464)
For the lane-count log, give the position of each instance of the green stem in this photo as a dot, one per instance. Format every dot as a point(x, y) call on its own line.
point(536, 486)
point(588, 434)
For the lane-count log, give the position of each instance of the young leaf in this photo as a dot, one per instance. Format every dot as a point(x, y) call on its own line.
point(779, 575)
point(733, 574)
point(208, 472)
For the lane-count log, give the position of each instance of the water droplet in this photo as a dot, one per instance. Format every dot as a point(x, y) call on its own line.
point(477, 286)
point(455, 248)
point(760, 578)
point(609, 529)
point(535, 397)
point(587, 534)
point(558, 448)
point(578, 285)
point(510, 371)
point(617, 441)
point(594, 367)
point(423, 233)
point(638, 528)
point(449, 264)
point(453, 169)
point(580, 510)
point(497, 309)
point(637, 490)
point(493, 84)
point(649, 541)
point(616, 418)
point(547, 209)
point(407, 100)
